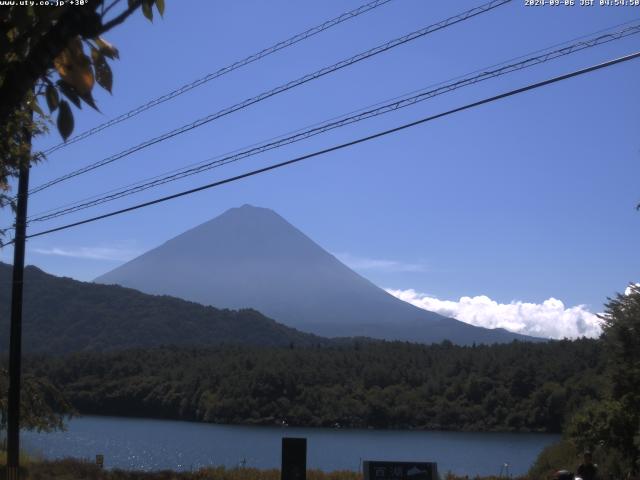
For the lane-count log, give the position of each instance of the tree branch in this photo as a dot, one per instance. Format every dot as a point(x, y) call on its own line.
point(121, 18)
point(106, 10)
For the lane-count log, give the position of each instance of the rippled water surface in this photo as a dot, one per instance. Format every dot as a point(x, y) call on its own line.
point(159, 444)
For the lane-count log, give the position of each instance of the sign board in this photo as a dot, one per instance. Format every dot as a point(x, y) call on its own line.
point(100, 460)
point(400, 470)
point(294, 459)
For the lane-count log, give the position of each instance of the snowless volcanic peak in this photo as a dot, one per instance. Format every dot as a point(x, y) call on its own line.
point(251, 257)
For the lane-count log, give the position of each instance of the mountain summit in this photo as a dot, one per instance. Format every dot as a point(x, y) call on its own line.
point(251, 257)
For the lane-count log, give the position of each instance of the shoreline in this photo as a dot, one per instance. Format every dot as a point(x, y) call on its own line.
point(316, 427)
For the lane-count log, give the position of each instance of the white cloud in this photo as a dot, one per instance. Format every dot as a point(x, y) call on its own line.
point(627, 291)
point(550, 319)
point(364, 263)
point(114, 254)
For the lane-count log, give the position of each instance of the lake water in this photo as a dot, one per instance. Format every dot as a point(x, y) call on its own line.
point(142, 444)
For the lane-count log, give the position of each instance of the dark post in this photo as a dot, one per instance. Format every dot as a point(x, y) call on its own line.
point(294, 459)
point(15, 338)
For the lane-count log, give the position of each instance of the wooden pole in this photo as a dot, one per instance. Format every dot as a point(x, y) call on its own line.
point(15, 338)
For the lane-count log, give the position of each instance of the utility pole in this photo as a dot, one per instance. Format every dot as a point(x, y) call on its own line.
point(15, 338)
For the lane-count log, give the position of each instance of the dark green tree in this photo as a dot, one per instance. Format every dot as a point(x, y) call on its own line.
point(613, 425)
point(621, 336)
point(44, 407)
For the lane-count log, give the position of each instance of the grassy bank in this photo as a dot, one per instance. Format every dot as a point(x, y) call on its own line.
point(72, 469)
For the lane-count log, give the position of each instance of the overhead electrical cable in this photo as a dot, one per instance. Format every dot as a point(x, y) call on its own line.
point(347, 119)
point(282, 88)
point(605, 32)
point(367, 7)
point(341, 146)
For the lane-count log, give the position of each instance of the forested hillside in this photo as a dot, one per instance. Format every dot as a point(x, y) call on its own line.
point(517, 386)
point(63, 315)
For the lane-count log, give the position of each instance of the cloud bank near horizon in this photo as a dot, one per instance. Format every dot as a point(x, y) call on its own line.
point(549, 319)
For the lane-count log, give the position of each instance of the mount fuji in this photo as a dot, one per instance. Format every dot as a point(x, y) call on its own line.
point(251, 257)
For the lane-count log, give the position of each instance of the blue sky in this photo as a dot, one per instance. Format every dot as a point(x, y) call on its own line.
point(523, 200)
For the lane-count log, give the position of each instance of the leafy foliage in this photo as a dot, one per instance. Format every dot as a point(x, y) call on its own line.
point(612, 425)
point(622, 339)
point(559, 456)
point(514, 387)
point(40, 41)
point(15, 146)
point(53, 55)
point(43, 407)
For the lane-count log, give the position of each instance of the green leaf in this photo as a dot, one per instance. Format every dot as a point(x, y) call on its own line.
point(106, 48)
point(88, 99)
point(65, 120)
point(70, 93)
point(104, 76)
point(36, 108)
point(52, 97)
point(160, 7)
point(74, 67)
point(146, 9)
point(95, 55)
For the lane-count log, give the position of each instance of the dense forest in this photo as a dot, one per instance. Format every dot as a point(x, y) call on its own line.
point(511, 387)
point(63, 315)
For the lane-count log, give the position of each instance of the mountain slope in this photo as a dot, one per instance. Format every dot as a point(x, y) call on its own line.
point(64, 315)
point(252, 257)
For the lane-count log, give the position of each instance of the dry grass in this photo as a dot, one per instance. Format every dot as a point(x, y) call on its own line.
point(73, 469)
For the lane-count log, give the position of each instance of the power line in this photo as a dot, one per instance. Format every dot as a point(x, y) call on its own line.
point(362, 114)
point(282, 88)
point(343, 145)
point(223, 71)
point(603, 34)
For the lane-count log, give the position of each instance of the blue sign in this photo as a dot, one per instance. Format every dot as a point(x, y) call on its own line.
point(400, 470)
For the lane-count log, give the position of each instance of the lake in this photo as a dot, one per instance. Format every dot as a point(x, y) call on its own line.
point(143, 444)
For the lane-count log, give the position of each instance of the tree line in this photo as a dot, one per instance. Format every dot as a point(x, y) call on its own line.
point(510, 387)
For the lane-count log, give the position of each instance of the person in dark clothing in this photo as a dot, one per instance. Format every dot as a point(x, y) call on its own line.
point(587, 469)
